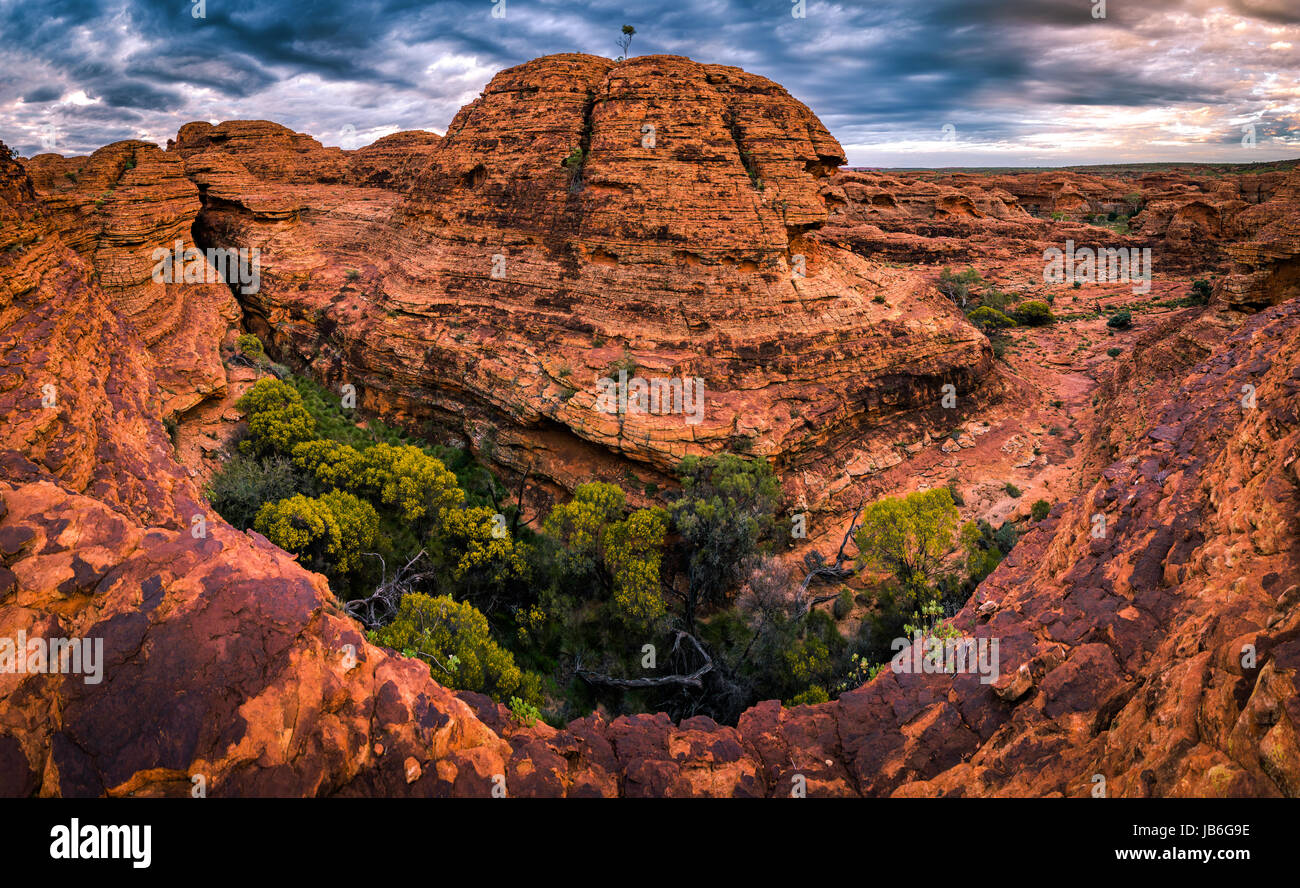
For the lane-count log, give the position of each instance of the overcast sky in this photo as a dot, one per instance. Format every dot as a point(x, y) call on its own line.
point(898, 82)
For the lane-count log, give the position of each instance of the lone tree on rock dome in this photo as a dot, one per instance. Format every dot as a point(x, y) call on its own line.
point(626, 40)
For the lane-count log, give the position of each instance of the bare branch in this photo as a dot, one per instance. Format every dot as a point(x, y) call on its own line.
point(692, 681)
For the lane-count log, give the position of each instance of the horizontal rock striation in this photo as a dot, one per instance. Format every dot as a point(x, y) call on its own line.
point(116, 208)
point(1266, 268)
point(394, 161)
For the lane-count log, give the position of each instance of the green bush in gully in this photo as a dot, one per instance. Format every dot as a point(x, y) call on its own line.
point(536, 619)
point(957, 287)
point(908, 540)
point(332, 500)
point(985, 317)
point(1033, 313)
point(1120, 320)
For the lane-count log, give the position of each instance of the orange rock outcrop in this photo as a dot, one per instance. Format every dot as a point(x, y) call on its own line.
point(116, 208)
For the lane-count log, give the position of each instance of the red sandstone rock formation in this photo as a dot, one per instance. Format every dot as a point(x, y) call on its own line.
point(1267, 264)
point(270, 151)
point(222, 657)
point(394, 161)
point(496, 294)
point(115, 208)
point(1121, 655)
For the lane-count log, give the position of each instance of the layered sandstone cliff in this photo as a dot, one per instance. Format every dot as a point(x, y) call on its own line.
point(222, 658)
point(585, 217)
point(1266, 267)
point(121, 209)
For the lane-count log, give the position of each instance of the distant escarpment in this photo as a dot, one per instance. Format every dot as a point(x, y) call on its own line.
point(1190, 219)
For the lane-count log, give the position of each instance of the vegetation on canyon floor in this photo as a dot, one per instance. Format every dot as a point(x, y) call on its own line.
point(686, 608)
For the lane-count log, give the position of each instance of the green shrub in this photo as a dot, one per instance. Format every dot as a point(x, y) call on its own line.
point(909, 536)
point(245, 483)
point(1121, 320)
point(985, 317)
point(983, 548)
point(602, 549)
point(815, 694)
point(524, 713)
point(843, 605)
point(1114, 352)
point(1006, 537)
point(331, 532)
point(277, 420)
point(358, 524)
point(1040, 509)
point(1201, 291)
point(332, 464)
point(726, 509)
point(409, 480)
point(455, 640)
point(1012, 490)
point(1033, 313)
point(995, 299)
point(251, 347)
point(955, 492)
point(957, 286)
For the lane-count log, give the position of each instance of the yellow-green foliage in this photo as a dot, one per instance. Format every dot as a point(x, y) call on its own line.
point(814, 694)
point(470, 533)
point(297, 523)
point(454, 639)
point(984, 316)
point(981, 559)
point(909, 535)
point(333, 531)
point(596, 537)
point(632, 553)
point(407, 478)
point(277, 420)
point(580, 523)
point(358, 524)
point(333, 464)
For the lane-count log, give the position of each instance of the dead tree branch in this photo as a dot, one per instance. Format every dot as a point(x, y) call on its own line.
point(691, 681)
point(380, 606)
point(818, 569)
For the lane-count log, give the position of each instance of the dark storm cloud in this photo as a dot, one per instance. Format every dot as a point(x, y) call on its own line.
point(1283, 12)
point(138, 94)
point(42, 94)
point(877, 73)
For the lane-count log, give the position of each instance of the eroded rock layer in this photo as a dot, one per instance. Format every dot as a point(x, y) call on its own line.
point(222, 658)
point(118, 208)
